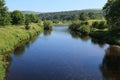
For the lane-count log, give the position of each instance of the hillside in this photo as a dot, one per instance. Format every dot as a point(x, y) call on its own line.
point(69, 15)
point(30, 12)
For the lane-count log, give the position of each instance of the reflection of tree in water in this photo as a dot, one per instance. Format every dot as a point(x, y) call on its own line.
point(22, 46)
point(47, 32)
point(19, 50)
point(110, 67)
point(78, 35)
point(98, 42)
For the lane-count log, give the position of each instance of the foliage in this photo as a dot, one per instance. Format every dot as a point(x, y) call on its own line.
point(32, 18)
point(112, 15)
point(72, 15)
point(4, 15)
point(82, 27)
point(85, 29)
point(84, 16)
point(16, 34)
point(47, 25)
point(99, 24)
point(17, 17)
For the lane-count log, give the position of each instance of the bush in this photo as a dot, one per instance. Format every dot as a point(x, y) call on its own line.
point(74, 26)
point(82, 27)
point(85, 29)
point(47, 25)
point(99, 24)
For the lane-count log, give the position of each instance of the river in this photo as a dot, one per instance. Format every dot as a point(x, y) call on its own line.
point(61, 55)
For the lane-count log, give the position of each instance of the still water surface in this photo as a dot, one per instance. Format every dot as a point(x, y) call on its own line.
point(61, 55)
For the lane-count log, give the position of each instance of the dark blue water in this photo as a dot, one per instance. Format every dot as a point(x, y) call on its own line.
point(58, 55)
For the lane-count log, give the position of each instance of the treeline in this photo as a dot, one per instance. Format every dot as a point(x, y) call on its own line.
point(87, 27)
point(16, 17)
point(73, 15)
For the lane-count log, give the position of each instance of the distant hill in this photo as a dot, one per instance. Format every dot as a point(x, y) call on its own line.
point(67, 15)
point(30, 12)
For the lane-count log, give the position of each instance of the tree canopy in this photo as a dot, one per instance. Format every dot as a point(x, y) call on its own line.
point(112, 15)
point(4, 15)
point(17, 17)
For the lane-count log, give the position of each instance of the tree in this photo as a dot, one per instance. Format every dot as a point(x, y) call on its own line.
point(112, 15)
point(17, 17)
point(47, 25)
point(84, 16)
point(4, 15)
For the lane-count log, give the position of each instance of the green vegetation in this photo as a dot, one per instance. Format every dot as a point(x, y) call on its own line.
point(47, 25)
point(17, 18)
point(102, 30)
point(72, 15)
point(111, 34)
point(112, 15)
point(16, 35)
point(4, 15)
point(86, 27)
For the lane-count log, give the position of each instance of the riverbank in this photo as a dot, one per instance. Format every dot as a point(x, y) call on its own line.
point(10, 38)
point(12, 35)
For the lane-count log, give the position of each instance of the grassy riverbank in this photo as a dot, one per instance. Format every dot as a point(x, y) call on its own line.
point(10, 37)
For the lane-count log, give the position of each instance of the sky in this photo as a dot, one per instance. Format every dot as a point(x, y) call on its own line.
point(53, 5)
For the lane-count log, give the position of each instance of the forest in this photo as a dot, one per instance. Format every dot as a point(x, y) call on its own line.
point(73, 15)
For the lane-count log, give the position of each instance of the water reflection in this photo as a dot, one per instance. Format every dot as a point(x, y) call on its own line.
point(47, 32)
point(110, 67)
point(98, 42)
point(78, 35)
point(19, 50)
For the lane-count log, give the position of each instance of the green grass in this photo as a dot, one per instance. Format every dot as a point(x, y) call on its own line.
point(10, 36)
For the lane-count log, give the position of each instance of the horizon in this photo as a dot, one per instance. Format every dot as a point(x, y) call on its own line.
point(54, 6)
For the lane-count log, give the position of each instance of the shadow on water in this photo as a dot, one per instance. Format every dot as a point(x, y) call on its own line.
point(98, 42)
point(110, 67)
point(78, 35)
point(19, 50)
point(47, 32)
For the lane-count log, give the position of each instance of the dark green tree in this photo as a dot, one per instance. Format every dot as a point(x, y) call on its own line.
point(4, 15)
point(112, 15)
point(17, 17)
point(84, 16)
point(32, 18)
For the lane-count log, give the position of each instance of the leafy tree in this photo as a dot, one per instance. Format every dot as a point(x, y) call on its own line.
point(31, 18)
point(4, 15)
point(112, 15)
point(47, 25)
point(84, 16)
point(17, 17)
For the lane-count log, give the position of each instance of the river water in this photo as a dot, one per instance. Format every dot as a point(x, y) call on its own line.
point(63, 55)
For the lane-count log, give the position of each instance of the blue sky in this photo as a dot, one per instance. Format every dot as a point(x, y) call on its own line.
point(53, 5)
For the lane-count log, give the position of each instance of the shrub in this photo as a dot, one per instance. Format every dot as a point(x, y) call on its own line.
point(85, 29)
point(47, 25)
point(99, 24)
